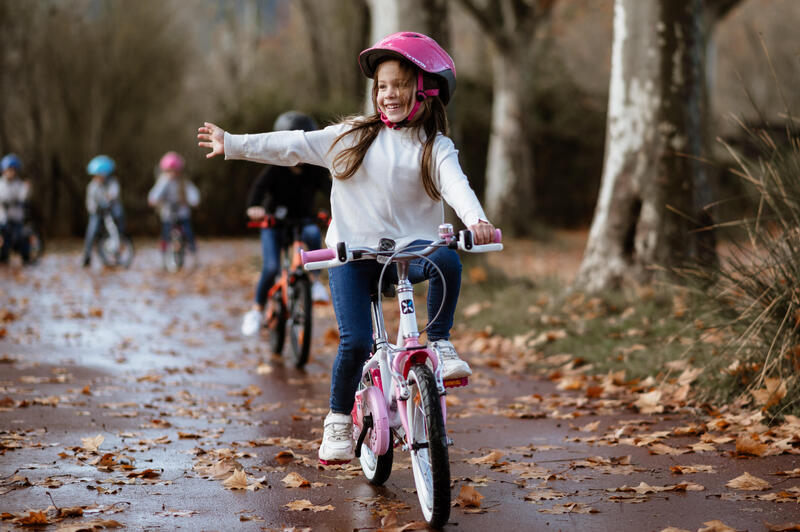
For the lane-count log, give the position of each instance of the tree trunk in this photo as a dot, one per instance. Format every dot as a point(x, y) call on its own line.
point(646, 200)
point(509, 170)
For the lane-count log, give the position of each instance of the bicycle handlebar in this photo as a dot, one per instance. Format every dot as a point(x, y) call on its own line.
point(322, 219)
point(319, 259)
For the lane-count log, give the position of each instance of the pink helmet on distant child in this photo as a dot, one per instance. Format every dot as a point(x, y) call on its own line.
point(423, 52)
point(171, 161)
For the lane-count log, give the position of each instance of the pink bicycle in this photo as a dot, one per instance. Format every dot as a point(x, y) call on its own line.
point(400, 400)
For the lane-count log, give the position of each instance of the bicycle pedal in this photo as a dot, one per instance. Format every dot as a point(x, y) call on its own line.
point(456, 383)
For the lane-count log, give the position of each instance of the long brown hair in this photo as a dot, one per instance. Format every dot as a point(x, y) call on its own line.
point(429, 120)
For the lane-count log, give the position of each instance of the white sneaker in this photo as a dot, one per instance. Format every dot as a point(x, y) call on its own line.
point(318, 293)
point(252, 322)
point(452, 366)
point(337, 440)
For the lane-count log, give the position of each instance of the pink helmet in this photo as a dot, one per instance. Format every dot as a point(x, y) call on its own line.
point(171, 161)
point(420, 50)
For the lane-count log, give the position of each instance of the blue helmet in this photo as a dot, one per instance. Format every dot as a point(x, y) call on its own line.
point(101, 165)
point(10, 161)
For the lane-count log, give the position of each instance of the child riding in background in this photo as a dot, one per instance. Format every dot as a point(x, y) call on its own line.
point(175, 195)
point(287, 193)
point(14, 196)
point(392, 170)
point(102, 196)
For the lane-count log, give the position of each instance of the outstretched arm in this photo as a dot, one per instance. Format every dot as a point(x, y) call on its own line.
point(213, 137)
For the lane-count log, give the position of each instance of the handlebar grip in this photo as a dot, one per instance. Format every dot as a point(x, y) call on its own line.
point(498, 236)
point(317, 255)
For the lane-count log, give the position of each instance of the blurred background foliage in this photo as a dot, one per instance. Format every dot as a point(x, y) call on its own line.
point(134, 79)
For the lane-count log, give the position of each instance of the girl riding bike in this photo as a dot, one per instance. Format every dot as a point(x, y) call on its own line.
point(175, 196)
point(286, 193)
point(392, 170)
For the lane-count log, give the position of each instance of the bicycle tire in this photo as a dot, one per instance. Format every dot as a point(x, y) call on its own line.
point(376, 468)
point(276, 324)
point(175, 253)
point(299, 323)
point(430, 460)
point(35, 244)
point(121, 257)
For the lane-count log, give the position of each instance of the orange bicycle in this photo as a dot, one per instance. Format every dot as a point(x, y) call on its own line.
point(289, 304)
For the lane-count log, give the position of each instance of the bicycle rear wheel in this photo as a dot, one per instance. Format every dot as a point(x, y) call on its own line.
point(300, 321)
point(430, 460)
point(276, 323)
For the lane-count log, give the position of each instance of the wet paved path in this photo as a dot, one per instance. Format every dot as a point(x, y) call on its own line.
point(154, 364)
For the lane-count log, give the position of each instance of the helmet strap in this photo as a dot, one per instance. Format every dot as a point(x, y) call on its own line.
point(420, 96)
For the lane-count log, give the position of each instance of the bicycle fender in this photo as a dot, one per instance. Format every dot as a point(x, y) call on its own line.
point(404, 360)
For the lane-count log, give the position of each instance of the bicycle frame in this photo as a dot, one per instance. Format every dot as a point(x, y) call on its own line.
point(112, 230)
point(406, 375)
point(391, 362)
point(291, 267)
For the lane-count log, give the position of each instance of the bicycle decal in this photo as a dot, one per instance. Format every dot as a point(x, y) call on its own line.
point(407, 306)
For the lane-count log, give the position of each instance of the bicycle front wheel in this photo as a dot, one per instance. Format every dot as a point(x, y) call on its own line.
point(35, 244)
point(429, 456)
point(176, 249)
point(300, 321)
point(276, 323)
point(116, 253)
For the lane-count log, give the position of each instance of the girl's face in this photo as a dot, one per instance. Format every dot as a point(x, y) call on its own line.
point(395, 90)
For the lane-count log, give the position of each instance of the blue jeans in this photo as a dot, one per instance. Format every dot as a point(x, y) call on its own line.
point(351, 287)
point(186, 226)
point(271, 244)
point(93, 228)
point(13, 239)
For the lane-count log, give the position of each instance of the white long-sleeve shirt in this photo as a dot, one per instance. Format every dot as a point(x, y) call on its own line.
point(13, 195)
point(173, 203)
point(385, 197)
point(100, 194)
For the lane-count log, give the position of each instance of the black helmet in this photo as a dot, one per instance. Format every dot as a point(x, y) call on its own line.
point(292, 120)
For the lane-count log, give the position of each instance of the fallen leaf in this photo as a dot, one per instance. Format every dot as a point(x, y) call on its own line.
point(284, 457)
point(34, 518)
point(771, 394)
point(650, 403)
point(747, 445)
point(491, 458)
point(237, 481)
point(468, 497)
point(662, 449)
point(785, 527)
point(92, 444)
point(90, 526)
point(748, 482)
point(304, 504)
point(685, 470)
point(570, 508)
point(716, 526)
point(294, 480)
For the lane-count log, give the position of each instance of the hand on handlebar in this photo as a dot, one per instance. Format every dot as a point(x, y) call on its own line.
point(256, 212)
point(482, 232)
